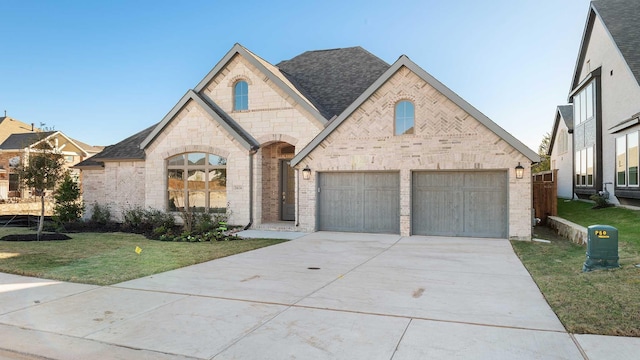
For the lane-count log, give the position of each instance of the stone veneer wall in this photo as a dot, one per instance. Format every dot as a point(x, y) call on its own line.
point(446, 138)
point(567, 229)
point(120, 186)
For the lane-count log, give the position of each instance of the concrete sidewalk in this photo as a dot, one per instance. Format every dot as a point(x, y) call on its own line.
point(322, 296)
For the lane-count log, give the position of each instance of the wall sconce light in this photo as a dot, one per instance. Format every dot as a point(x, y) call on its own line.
point(519, 171)
point(306, 173)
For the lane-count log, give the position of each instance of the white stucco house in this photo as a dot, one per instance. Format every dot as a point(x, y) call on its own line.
point(605, 98)
point(334, 140)
point(561, 150)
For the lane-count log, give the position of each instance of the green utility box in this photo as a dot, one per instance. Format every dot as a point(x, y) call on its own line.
point(602, 248)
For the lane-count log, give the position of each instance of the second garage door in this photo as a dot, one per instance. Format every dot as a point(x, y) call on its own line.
point(359, 202)
point(451, 203)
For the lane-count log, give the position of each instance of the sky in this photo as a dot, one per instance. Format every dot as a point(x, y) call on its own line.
point(100, 71)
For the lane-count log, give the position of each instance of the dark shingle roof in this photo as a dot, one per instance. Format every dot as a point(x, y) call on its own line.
point(567, 114)
point(621, 18)
point(127, 149)
point(20, 141)
point(333, 79)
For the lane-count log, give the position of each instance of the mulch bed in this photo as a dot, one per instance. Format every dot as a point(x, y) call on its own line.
point(34, 237)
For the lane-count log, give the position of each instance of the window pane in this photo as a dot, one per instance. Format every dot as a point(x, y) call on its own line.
point(621, 161)
point(583, 167)
point(577, 172)
point(241, 95)
point(217, 160)
point(176, 179)
point(405, 114)
point(583, 104)
point(176, 200)
point(632, 158)
point(196, 158)
point(576, 108)
point(196, 180)
point(176, 160)
point(14, 182)
point(590, 166)
point(197, 200)
point(589, 101)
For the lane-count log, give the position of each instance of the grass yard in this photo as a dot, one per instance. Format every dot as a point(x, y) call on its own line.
point(109, 258)
point(603, 302)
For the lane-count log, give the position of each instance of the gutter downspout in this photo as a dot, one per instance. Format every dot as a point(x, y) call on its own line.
point(252, 152)
point(297, 198)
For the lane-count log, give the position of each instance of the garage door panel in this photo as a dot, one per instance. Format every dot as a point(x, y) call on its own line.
point(380, 213)
point(359, 202)
point(450, 203)
point(483, 215)
point(439, 214)
point(340, 217)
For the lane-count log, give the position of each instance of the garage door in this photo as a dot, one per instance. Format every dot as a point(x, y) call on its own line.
point(448, 203)
point(359, 202)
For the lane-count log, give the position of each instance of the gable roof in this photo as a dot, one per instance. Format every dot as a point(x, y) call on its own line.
point(270, 72)
point(564, 113)
point(333, 79)
point(9, 125)
point(23, 140)
point(455, 98)
point(230, 125)
point(127, 149)
point(620, 18)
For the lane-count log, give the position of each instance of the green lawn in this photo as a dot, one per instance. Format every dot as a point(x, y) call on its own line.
point(109, 258)
point(599, 302)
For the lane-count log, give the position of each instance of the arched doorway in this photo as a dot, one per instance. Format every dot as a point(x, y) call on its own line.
point(278, 182)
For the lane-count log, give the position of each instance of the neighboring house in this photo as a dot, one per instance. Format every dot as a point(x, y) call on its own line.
point(15, 150)
point(605, 93)
point(9, 126)
point(561, 150)
point(333, 140)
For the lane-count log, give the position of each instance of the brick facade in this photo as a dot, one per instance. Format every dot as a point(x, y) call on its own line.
point(445, 138)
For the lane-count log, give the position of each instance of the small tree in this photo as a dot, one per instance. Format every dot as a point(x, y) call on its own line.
point(41, 171)
point(68, 205)
point(543, 149)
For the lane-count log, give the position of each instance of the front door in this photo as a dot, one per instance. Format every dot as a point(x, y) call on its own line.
point(287, 191)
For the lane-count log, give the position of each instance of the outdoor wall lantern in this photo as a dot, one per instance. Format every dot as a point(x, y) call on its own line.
point(306, 173)
point(519, 171)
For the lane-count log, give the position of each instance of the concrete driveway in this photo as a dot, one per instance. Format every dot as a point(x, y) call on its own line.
point(323, 296)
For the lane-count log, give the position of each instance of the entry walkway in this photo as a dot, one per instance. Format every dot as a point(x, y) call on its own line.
point(322, 296)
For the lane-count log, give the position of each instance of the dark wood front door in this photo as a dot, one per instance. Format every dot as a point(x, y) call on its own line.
point(287, 191)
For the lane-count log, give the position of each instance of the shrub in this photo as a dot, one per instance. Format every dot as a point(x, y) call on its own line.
point(101, 214)
point(133, 219)
point(601, 201)
point(152, 222)
point(68, 205)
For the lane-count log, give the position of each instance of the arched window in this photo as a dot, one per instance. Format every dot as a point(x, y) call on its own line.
point(241, 95)
point(405, 115)
point(197, 181)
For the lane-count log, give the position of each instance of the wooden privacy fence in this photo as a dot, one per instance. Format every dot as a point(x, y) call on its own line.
point(545, 194)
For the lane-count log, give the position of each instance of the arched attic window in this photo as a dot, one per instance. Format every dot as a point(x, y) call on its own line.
point(241, 95)
point(405, 117)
